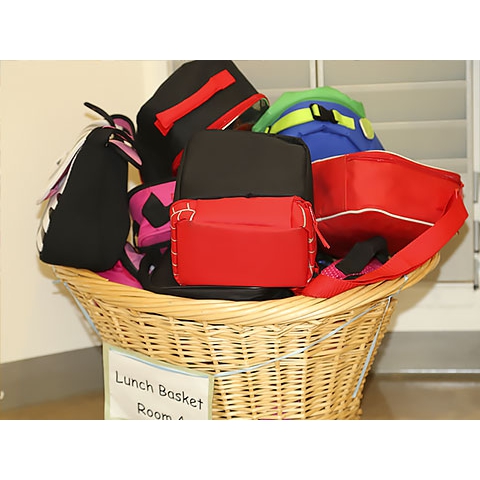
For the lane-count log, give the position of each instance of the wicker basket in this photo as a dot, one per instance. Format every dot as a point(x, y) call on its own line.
point(293, 358)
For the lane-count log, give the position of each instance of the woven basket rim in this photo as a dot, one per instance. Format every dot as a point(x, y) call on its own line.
point(296, 308)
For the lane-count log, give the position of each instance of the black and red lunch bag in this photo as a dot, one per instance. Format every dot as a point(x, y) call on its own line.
point(199, 95)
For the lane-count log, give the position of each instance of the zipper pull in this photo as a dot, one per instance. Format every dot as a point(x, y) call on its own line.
point(315, 226)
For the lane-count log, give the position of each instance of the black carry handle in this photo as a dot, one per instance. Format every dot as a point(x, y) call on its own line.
point(362, 253)
point(101, 112)
point(111, 118)
point(120, 138)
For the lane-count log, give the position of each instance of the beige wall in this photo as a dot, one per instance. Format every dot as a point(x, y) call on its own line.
point(41, 113)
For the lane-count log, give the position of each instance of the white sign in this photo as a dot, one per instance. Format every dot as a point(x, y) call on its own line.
point(138, 387)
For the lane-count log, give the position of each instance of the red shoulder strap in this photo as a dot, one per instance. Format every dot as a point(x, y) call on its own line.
point(417, 252)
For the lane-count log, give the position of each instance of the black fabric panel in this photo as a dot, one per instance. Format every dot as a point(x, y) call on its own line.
point(90, 224)
point(156, 212)
point(229, 163)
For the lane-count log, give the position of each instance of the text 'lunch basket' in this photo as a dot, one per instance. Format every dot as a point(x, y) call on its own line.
point(292, 358)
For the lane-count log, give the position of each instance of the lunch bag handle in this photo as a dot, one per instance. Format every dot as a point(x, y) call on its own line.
point(166, 119)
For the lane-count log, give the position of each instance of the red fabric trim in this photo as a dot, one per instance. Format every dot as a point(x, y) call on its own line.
point(235, 112)
point(176, 163)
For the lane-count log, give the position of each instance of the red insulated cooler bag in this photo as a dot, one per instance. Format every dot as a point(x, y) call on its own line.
point(415, 208)
point(238, 241)
point(243, 186)
point(242, 211)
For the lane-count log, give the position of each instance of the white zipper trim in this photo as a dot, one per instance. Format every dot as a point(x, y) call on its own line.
point(377, 210)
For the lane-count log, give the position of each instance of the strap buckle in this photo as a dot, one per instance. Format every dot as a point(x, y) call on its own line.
point(322, 114)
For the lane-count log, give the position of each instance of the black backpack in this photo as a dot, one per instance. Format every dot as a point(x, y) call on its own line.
point(86, 222)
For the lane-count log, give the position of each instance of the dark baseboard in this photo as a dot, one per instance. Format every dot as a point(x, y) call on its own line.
point(54, 377)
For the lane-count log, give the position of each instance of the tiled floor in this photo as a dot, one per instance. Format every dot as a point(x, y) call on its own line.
point(386, 397)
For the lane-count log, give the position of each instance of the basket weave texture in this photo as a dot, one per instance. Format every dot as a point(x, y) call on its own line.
point(292, 358)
